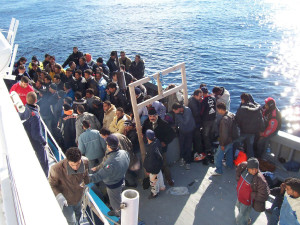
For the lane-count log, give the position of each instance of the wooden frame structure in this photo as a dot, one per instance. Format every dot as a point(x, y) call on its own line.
point(161, 94)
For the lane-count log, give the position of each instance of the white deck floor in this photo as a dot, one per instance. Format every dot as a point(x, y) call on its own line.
point(211, 200)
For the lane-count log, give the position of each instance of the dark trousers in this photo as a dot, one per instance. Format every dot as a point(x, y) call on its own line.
point(249, 140)
point(165, 168)
point(197, 141)
point(43, 159)
point(185, 142)
point(208, 133)
point(262, 145)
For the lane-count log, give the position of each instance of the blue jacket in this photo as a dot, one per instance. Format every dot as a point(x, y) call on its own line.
point(33, 127)
point(90, 144)
point(185, 121)
point(290, 211)
point(113, 171)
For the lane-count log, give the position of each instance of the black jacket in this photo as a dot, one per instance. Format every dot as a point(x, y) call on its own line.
point(133, 137)
point(249, 118)
point(153, 160)
point(112, 66)
point(73, 57)
point(137, 70)
point(208, 108)
point(80, 85)
point(92, 83)
point(163, 131)
point(119, 100)
point(195, 107)
point(68, 130)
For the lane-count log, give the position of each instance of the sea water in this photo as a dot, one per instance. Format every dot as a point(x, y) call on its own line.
point(244, 45)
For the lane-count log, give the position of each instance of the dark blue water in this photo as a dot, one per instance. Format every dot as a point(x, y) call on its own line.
point(246, 46)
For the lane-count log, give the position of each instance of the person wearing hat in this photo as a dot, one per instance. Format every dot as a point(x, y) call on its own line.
point(165, 134)
point(153, 164)
point(272, 119)
point(67, 127)
point(113, 173)
point(252, 190)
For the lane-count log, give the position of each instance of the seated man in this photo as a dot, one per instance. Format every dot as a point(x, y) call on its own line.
point(272, 119)
point(67, 179)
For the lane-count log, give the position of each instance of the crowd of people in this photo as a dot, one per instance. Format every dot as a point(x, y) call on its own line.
point(87, 109)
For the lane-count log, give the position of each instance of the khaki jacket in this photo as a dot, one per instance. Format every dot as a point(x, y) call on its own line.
point(117, 126)
point(109, 116)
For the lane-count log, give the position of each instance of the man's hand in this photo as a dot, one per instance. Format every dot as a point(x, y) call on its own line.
point(163, 144)
point(222, 148)
point(62, 201)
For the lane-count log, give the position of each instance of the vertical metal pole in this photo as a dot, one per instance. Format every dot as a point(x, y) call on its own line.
point(137, 120)
point(159, 86)
point(185, 93)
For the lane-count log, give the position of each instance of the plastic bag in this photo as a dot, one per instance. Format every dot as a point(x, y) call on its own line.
point(178, 191)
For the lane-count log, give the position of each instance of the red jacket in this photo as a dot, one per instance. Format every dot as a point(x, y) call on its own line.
point(22, 92)
point(273, 120)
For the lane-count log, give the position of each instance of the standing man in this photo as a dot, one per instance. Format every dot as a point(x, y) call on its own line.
point(250, 121)
point(165, 134)
point(195, 106)
point(113, 173)
point(137, 68)
point(252, 190)
point(75, 56)
point(112, 63)
point(90, 144)
point(208, 115)
point(186, 124)
point(125, 61)
point(32, 125)
point(67, 179)
point(225, 139)
point(222, 95)
point(22, 88)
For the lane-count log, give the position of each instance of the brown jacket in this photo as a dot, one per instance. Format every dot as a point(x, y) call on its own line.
point(259, 186)
point(70, 185)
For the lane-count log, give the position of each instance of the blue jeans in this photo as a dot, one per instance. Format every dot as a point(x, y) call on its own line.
point(249, 138)
point(220, 155)
point(185, 143)
point(72, 213)
point(244, 213)
point(274, 217)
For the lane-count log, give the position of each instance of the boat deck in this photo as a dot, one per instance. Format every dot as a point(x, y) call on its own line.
point(211, 200)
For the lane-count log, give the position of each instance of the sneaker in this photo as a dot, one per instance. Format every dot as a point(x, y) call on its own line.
point(197, 157)
point(202, 156)
point(187, 166)
point(151, 196)
point(224, 164)
point(216, 174)
point(181, 162)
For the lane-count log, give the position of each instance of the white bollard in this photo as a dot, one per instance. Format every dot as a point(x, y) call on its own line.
point(130, 207)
